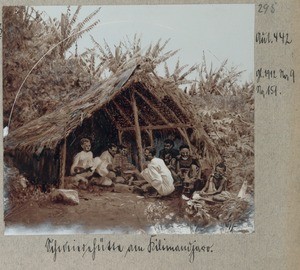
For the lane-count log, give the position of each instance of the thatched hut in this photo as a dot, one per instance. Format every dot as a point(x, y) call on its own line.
point(133, 104)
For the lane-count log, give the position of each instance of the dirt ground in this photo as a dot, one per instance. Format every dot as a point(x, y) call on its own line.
point(100, 210)
point(105, 210)
point(29, 211)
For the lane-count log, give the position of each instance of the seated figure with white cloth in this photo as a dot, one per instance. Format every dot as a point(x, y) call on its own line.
point(85, 168)
point(82, 166)
point(157, 173)
point(103, 165)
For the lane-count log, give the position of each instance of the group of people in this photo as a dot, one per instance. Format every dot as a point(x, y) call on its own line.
point(105, 167)
point(172, 168)
point(186, 171)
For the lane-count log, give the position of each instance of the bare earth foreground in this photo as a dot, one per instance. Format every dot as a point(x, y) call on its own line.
point(28, 211)
point(106, 212)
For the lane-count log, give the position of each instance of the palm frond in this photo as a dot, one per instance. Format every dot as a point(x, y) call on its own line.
point(155, 50)
point(87, 19)
point(167, 72)
point(75, 16)
point(189, 71)
point(108, 50)
point(163, 46)
point(165, 56)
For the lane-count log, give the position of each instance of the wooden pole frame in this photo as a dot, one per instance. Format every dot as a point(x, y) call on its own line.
point(120, 136)
point(186, 137)
point(158, 127)
point(123, 114)
point(181, 131)
point(150, 134)
point(140, 115)
point(161, 104)
point(111, 117)
point(137, 129)
point(63, 156)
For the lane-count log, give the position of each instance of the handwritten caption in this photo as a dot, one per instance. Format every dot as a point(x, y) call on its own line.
point(269, 80)
point(101, 245)
point(273, 37)
point(286, 75)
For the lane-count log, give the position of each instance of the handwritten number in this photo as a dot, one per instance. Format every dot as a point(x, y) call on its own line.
point(272, 8)
point(287, 39)
point(265, 8)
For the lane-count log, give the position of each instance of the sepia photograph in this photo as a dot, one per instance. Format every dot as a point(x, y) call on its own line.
point(135, 119)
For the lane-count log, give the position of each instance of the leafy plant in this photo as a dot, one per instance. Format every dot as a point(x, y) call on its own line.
point(55, 80)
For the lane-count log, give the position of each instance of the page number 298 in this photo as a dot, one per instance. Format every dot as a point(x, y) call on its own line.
point(267, 8)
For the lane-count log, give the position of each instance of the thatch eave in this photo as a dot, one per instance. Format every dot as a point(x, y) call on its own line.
point(48, 130)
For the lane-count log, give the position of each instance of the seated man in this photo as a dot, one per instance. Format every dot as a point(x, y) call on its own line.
point(103, 165)
point(83, 163)
point(121, 164)
point(120, 161)
point(216, 183)
point(188, 169)
point(157, 173)
point(169, 154)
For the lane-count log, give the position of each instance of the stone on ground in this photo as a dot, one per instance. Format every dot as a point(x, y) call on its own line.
point(66, 196)
point(120, 188)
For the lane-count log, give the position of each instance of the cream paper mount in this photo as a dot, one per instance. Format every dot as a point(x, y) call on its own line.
point(133, 98)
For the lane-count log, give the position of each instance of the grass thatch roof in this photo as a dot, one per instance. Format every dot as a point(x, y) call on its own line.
point(50, 129)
